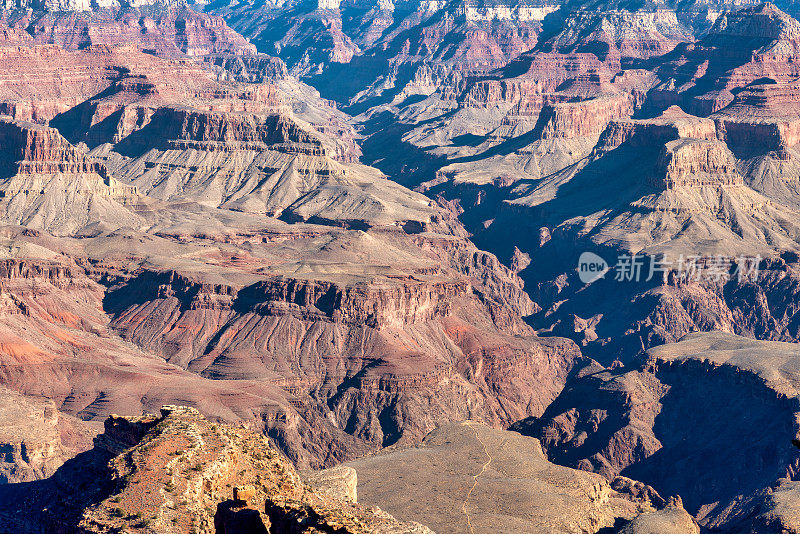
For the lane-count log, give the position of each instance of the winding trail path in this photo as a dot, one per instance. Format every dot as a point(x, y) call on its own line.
point(475, 477)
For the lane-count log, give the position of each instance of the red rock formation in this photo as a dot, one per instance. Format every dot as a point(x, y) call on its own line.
point(50, 184)
point(586, 118)
point(249, 68)
point(56, 345)
point(694, 163)
point(168, 31)
point(360, 330)
point(531, 75)
point(183, 129)
point(178, 471)
point(35, 149)
point(42, 94)
point(671, 125)
point(417, 47)
point(387, 355)
point(664, 421)
point(742, 47)
point(762, 118)
point(177, 106)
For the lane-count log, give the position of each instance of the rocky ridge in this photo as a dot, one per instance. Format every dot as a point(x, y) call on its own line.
point(178, 472)
point(542, 141)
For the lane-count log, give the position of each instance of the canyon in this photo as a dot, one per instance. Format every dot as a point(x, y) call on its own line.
point(313, 266)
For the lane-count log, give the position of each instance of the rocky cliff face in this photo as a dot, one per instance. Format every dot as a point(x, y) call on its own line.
point(331, 364)
point(352, 350)
point(218, 130)
point(193, 138)
point(404, 48)
point(583, 119)
point(57, 345)
point(344, 311)
point(743, 46)
point(761, 119)
point(534, 74)
point(34, 149)
point(50, 184)
point(638, 421)
point(36, 439)
point(693, 163)
point(166, 30)
point(664, 172)
point(616, 34)
point(248, 68)
point(672, 124)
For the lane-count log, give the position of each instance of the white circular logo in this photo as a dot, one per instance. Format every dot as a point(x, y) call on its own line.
point(591, 267)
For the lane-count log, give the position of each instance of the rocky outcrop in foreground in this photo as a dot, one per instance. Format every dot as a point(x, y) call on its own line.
point(178, 472)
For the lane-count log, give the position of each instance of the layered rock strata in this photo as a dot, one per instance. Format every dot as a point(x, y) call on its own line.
point(168, 30)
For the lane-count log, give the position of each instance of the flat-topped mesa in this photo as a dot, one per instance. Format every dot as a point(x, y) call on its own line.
point(763, 117)
point(673, 124)
point(33, 150)
point(696, 163)
point(586, 118)
point(546, 497)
